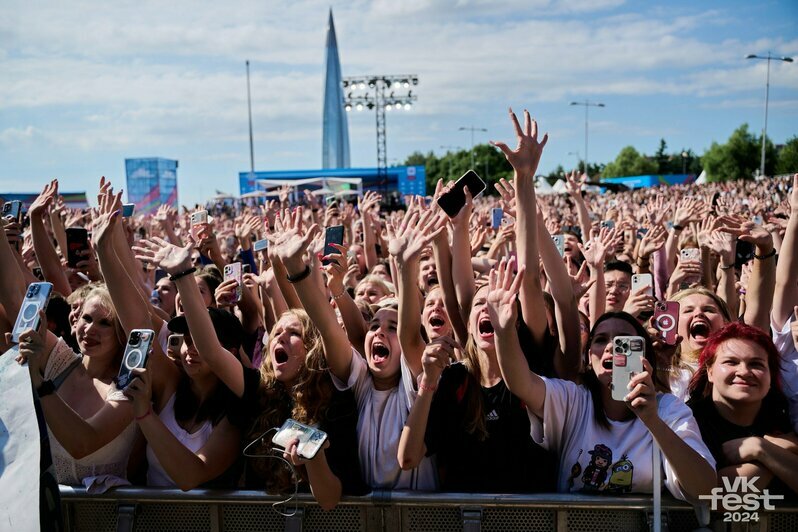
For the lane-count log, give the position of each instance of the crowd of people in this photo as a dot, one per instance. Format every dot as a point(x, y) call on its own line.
point(436, 352)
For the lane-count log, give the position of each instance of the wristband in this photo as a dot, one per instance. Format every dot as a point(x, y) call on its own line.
point(729, 267)
point(177, 276)
point(339, 296)
point(45, 388)
point(766, 256)
point(139, 418)
point(676, 227)
point(421, 387)
point(304, 274)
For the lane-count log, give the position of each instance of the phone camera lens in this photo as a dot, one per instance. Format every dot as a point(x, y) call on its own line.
point(134, 338)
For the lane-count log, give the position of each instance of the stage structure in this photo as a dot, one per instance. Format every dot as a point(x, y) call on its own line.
point(151, 182)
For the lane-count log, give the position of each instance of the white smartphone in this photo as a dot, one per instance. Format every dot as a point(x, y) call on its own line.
point(559, 241)
point(199, 217)
point(310, 439)
point(260, 245)
point(641, 280)
point(690, 254)
point(233, 271)
point(36, 299)
point(627, 361)
point(137, 351)
point(496, 217)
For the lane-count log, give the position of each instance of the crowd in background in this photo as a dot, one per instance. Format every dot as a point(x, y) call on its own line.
point(437, 352)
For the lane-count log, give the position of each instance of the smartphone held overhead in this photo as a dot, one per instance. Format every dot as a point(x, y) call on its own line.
point(36, 298)
point(137, 351)
point(453, 200)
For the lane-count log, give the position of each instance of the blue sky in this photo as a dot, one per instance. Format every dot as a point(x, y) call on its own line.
point(86, 84)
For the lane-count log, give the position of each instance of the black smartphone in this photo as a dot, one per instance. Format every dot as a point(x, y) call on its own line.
point(77, 242)
point(453, 200)
point(333, 235)
point(743, 253)
point(13, 209)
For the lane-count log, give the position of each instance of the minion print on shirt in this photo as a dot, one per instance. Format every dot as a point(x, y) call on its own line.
point(601, 474)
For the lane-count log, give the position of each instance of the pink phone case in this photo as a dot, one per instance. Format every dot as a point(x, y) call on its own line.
point(666, 320)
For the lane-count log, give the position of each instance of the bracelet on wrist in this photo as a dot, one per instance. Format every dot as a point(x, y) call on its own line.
point(677, 227)
point(177, 276)
point(139, 418)
point(339, 296)
point(772, 253)
point(422, 386)
point(304, 274)
point(729, 267)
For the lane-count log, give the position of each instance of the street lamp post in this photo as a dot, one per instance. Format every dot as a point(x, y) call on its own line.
point(587, 104)
point(472, 129)
point(768, 58)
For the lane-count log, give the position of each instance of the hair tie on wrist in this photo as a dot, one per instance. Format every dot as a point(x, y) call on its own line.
point(677, 227)
point(766, 255)
point(177, 276)
point(729, 267)
point(149, 411)
point(304, 274)
point(421, 386)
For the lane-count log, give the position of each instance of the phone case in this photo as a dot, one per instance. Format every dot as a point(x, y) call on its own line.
point(199, 217)
point(233, 271)
point(333, 235)
point(559, 241)
point(690, 254)
point(260, 245)
point(453, 201)
point(609, 224)
point(310, 439)
point(137, 351)
point(496, 218)
point(175, 341)
point(127, 209)
point(36, 298)
point(627, 361)
point(77, 240)
point(641, 280)
point(666, 320)
point(13, 209)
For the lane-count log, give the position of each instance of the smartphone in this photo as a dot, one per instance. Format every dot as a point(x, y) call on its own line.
point(77, 242)
point(36, 299)
point(453, 200)
point(233, 271)
point(642, 280)
point(137, 350)
point(559, 241)
point(37, 272)
point(666, 320)
point(175, 342)
point(332, 235)
point(310, 439)
point(13, 209)
point(744, 252)
point(246, 268)
point(497, 213)
point(609, 224)
point(758, 220)
point(627, 361)
point(260, 245)
point(199, 217)
point(690, 254)
point(127, 209)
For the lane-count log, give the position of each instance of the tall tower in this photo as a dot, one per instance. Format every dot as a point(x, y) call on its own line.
point(335, 132)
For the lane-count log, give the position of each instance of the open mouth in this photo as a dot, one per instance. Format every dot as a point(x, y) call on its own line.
point(436, 322)
point(606, 363)
point(280, 355)
point(379, 352)
point(432, 281)
point(699, 330)
point(485, 328)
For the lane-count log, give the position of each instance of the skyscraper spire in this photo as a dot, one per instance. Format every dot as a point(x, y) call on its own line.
point(335, 132)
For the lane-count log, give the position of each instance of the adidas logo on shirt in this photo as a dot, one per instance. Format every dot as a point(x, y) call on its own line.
point(493, 416)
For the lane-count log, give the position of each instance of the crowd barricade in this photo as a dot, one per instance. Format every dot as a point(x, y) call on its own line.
point(150, 509)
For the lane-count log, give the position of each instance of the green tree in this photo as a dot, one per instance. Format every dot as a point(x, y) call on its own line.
point(629, 162)
point(787, 162)
point(739, 157)
point(662, 159)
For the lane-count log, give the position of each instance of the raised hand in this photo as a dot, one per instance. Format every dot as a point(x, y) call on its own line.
point(574, 182)
point(652, 241)
point(642, 399)
point(502, 292)
point(414, 233)
point(43, 200)
point(689, 210)
point(526, 156)
point(160, 253)
point(746, 231)
point(436, 357)
point(105, 220)
point(657, 210)
point(293, 241)
point(724, 245)
point(506, 190)
point(596, 249)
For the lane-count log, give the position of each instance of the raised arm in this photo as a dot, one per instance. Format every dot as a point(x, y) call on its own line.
point(354, 323)
point(524, 160)
point(369, 200)
point(595, 251)
point(503, 312)
point(12, 284)
point(786, 294)
point(573, 185)
point(46, 254)
point(291, 250)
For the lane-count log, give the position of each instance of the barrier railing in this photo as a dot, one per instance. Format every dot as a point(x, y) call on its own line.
point(147, 509)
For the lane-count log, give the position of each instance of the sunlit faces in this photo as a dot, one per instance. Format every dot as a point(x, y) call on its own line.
point(287, 349)
point(96, 330)
point(205, 292)
point(600, 349)
point(74, 315)
point(479, 325)
point(699, 317)
point(369, 292)
point(383, 353)
point(382, 271)
point(740, 372)
point(190, 359)
point(427, 275)
point(571, 246)
point(433, 316)
point(618, 285)
point(166, 293)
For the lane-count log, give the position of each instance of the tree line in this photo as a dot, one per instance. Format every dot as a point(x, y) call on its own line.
point(737, 158)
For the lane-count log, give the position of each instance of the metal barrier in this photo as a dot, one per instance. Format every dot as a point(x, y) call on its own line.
point(147, 509)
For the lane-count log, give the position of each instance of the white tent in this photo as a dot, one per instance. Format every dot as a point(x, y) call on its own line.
point(542, 186)
point(559, 187)
point(702, 178)
point(329, 184)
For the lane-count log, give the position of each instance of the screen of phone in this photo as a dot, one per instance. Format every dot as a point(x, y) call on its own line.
point(453, 200)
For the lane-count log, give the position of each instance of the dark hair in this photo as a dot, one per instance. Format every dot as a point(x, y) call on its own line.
point(590, 380)
point(58, 317)
point(212, 277)
point(619, 266)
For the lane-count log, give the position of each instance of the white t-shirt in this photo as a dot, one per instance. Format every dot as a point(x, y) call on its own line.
point(789, 366)
point(381, 417)
point(679, 380)
point(619, 460)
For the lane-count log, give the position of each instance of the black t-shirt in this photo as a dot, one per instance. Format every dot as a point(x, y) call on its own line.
point(340, 424)
point(539, 355)
point(507, 461)
point(716, 430)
